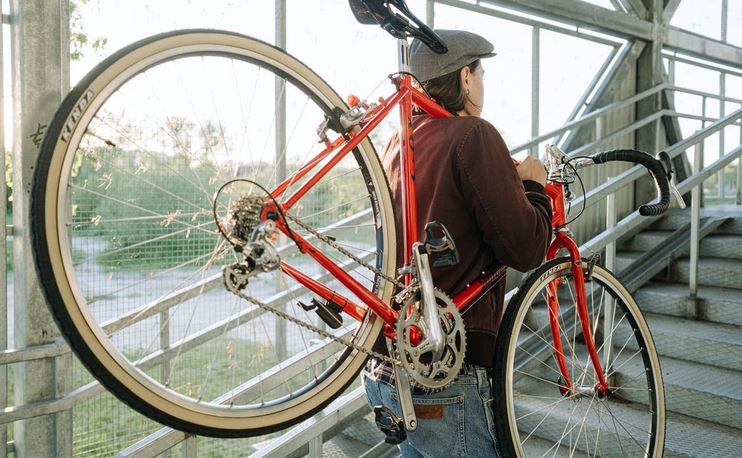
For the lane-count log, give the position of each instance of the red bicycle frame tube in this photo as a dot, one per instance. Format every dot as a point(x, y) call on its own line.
point(563, 241)
point(406, 96)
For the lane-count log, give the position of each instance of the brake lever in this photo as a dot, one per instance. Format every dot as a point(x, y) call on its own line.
point(678, 197)
point(664, 159)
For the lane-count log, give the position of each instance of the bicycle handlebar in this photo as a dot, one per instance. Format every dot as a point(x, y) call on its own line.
point(656, 169)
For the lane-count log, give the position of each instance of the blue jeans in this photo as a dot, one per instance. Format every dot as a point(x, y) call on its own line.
point(456, 422)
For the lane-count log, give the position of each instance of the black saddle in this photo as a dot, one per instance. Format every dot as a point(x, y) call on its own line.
point(394, 17)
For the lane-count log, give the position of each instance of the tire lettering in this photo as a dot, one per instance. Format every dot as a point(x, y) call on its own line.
point(76, 115)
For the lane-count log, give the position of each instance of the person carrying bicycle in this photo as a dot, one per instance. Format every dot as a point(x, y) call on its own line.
point(496, 212)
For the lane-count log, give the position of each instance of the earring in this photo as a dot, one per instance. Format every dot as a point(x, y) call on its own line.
point(467, 92)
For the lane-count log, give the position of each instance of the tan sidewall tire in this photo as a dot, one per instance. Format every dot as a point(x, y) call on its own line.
point(64, 294)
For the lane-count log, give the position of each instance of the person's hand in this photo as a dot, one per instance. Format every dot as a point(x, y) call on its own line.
point(532, 169)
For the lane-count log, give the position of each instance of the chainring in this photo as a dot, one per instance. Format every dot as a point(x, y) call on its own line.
point(423, 370)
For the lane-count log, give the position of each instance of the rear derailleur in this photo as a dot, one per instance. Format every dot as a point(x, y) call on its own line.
point(253, 239)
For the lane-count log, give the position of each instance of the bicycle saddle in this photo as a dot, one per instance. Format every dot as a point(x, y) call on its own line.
point(394, 17)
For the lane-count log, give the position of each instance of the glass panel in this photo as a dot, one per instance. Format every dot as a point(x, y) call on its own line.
point(699, 16)
point(568, 64)
point(107, 26)
point(507, 79)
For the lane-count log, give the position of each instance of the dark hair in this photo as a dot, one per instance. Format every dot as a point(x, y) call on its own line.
point(447, 90)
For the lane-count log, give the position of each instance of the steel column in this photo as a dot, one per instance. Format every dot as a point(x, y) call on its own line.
point(40, 68)
point(3, 247)
point(649, 73)
point(280, 143)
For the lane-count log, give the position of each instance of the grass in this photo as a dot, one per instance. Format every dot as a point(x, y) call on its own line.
point(103, 425)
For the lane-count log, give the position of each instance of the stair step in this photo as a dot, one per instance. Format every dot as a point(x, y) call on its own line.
point(677, 218)
point(693, 389)
point(625, 258)
point(722, 246)
point(566, 415)
point(719, 305)
point(644, 241)
point(707, 343)
point(686, 436)
point(725, 273)
point(719, 272)
point(714, 245)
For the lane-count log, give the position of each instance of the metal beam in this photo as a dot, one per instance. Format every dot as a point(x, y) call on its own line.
point(582, 14)
point(585, 15)
point(700, 46)
point(636, 7)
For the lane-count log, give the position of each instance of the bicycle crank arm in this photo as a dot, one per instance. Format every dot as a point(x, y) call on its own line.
point(433, 338)
point(404, 393)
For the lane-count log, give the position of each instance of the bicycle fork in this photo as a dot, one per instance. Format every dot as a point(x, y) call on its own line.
point(569, 388)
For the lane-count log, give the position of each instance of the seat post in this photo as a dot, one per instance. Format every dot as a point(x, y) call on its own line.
point(403, 54)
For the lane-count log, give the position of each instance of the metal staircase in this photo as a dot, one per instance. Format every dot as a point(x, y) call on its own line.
point(699, 341)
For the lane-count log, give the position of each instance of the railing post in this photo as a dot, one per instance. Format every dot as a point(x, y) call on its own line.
point(610, 264)
point(315, 446)
point(739, 172)
point(535, 83)
point(190, 447)
point(430, 13)
point(280, 137)
point(40, 69)
point(695, 215)
point(722, 94)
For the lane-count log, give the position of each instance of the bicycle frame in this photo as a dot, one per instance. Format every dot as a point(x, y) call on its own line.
point(405, 97)
point(334, 151)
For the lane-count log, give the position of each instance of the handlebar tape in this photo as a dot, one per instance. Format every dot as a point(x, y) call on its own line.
point(655, 169)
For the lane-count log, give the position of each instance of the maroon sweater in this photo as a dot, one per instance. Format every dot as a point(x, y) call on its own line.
point(466, 179)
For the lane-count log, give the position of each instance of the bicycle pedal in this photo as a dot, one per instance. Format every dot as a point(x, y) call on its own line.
point(391, 425)
point(440, 246)
point(328, 311)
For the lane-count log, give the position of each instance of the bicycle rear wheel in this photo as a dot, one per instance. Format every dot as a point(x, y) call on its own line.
point(129, 254)
point(536, 419)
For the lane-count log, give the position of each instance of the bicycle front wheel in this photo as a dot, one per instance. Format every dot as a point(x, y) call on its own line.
point(536, 418)
point(130, 257)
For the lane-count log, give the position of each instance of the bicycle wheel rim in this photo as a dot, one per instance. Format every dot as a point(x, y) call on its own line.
point(64, 280)
point(539, 418)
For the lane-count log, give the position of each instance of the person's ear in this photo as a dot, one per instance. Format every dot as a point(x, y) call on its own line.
point(464, 76)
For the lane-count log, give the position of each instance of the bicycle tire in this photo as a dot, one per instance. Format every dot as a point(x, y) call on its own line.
point(127, 250)
point(534, 417)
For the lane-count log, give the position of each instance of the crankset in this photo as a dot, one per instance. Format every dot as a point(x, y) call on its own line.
point(418, 356)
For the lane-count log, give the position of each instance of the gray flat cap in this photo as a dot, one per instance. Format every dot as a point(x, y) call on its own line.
point(463, 49)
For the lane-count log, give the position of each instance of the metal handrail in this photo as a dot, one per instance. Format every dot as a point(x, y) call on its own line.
point(589, 118)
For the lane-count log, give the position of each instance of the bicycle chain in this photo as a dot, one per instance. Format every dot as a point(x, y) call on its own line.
point(332, 243)
point(311, 327)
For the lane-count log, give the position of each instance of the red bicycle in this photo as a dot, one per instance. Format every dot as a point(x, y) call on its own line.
point(224, 267)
